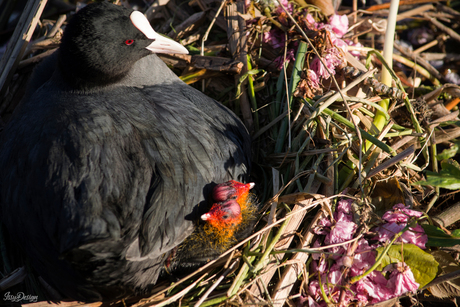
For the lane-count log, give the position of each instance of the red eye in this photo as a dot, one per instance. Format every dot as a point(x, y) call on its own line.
point(129, 42)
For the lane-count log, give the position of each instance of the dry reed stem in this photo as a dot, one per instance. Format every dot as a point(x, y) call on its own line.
point(284, 243)
point(291, 272)
point(237, 44)
point(21, 37)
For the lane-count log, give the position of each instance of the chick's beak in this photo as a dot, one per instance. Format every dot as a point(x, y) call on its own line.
point(160, 44)
point(206, 217)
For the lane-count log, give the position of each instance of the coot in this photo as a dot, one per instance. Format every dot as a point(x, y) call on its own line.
point(109, 155)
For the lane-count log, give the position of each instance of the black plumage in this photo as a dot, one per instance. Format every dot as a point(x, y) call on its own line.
point(107, 157)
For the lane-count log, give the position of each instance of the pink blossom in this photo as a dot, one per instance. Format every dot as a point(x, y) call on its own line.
point(402, 280)
point(340, 44)
point(334, 281)
point(395, 217)
point(314, 289)
point(312, 79)
point(400, 214)
point(339, 251)
point(335, 275)
point(267, 36)
point(344, 205)
point(355, 271)
point(374, 286)
point(319, 266)
point(322, 227)
point(311, 22)
point(331, 59)
point(331, 282)
point(358, 44)
point(289, 7)
point(364, 255)
point(317, 243)
point(343, 210)
point(414, 235)
point(342, 231)
point(275, 37)
point(339, 24)
point(386, 232)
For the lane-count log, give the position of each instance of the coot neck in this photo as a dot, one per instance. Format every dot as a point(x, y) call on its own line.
point(80, 75)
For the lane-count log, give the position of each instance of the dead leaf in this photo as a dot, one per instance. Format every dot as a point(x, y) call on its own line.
point(447, 264)
point(386, 194)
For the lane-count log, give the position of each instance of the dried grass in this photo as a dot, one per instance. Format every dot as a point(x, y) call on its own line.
point(307, 151)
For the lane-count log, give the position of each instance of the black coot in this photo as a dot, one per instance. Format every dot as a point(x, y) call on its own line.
point(108, 155)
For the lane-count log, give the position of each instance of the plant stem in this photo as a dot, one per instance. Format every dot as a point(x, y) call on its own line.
point(380, 119)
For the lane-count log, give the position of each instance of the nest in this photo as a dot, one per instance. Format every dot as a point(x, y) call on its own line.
point(315, 137)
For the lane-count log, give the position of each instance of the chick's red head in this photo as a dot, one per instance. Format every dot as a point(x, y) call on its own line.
point(223, 215)
point(232, 190)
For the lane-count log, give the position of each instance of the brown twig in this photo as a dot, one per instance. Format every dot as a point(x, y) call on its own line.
point(403, 2)
point(442, 27)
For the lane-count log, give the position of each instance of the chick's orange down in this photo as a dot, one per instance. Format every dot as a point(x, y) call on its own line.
point(228, 221)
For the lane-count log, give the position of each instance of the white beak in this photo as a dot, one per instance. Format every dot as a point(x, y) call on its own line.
point(205, 216)
point(160, 44)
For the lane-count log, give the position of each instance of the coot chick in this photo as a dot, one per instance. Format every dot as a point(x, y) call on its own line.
point(108, 156)
point(229, 220)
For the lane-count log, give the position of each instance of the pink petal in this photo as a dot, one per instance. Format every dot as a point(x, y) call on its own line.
point(340, 44)
point(354, 53)
point(364, 255)
point(289, 7)
point(342, 231)
point(386, 232)
point(316, 256)
point(339, 24)
point(402, 280)
point(322, 227)
point(314, 289)
point(311, 22)
point(415, 235)
point(343, 210)
point(312, 79)
point(374, 286)
point(395, 217)
point(400, 214)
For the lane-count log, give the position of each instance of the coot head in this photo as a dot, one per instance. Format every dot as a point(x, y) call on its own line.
point(223, 215)
point(103, 43)
point(232, 190)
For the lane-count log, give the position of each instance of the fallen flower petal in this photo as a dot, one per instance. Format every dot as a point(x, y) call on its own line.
point(343, 210)
point(342, 231)
point(400, 214)
point(386, 232)
point(374, 286)
point(402, 280)
point(414, 235)
point(311, 22)
point(339, 24)
point(364, 255)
